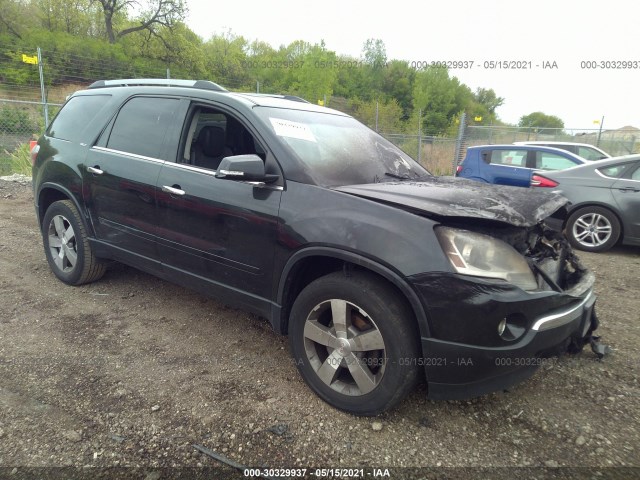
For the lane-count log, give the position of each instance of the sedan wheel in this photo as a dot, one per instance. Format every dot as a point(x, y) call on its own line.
point(594, 229)
point(355, 342)
point(67, 246)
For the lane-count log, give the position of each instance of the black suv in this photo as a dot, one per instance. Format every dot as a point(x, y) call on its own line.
point(381, 274)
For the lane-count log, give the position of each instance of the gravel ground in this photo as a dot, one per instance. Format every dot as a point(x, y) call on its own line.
point(133, 371)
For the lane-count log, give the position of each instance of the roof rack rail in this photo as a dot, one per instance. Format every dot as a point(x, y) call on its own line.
point(159, 82)
point(293, 98)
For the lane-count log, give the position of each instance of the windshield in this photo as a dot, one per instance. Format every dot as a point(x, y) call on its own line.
point(339, 150)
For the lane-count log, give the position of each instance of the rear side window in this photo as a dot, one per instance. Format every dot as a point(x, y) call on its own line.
point(512, 158)
point(551, 161)
point(141, 126)
point(590, 153)
point(614, 171)
point(75, 116)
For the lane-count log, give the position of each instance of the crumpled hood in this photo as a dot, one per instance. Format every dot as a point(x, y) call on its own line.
point(456, 197)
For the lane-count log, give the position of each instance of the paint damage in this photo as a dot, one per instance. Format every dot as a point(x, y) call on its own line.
point(456, 197)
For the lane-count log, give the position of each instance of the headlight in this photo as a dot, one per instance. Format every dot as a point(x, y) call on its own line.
point(483, 256)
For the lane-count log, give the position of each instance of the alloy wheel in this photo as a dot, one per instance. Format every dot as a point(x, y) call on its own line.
point(62, 243)
point(344, 347)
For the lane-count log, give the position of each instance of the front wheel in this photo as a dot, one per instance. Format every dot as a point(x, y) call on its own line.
point(355, 342)
point(593, 229)
point(67, 246)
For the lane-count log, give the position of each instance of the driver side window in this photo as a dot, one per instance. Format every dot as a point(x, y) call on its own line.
point(213, 135)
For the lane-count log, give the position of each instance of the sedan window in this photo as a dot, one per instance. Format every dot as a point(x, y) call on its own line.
point(551, 161)
point(613, 171)
point(512, 158)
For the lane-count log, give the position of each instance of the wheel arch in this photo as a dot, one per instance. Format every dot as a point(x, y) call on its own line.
point(53, 192)
point(308, 264)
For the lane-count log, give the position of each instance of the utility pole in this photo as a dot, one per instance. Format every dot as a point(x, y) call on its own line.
point(600, 132)
point(419, 135)
point(45, 107)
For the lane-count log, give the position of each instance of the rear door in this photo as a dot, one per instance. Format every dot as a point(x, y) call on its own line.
point(626, 192)
point(121, 172)
point(506, 167)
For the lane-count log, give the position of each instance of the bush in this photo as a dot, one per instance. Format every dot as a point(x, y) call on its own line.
point(17, 161)
point(16, 120)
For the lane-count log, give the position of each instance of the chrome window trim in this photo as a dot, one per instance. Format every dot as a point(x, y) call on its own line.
point(614, 178)
point(129, 154)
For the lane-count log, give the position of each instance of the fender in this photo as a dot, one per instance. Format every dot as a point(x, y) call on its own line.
point(280, 324)
point(66, 192)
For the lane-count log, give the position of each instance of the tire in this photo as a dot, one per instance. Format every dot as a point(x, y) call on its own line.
point(593, 229)
point(349, 375)
point(67, 246)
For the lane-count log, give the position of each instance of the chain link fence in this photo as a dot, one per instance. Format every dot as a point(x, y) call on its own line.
point(24, 108)
point(20, 122)
point(623, 141)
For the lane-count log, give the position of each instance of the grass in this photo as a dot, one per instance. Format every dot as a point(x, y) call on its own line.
point(17, 161)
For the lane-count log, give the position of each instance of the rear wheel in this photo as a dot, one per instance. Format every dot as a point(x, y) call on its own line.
point(355, 342)
point(593, 229)
point(67, 246)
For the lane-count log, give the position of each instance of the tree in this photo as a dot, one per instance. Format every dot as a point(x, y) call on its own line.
point(389, 115)
point(225, 56)
point(154, 14)
point(488, 99)
point(179, 49)
point(262, 65)
point(15, 18)
point(76, 17)
point(374, 56)
point(540, 120)
point(374, 53)
point(315, 78)
point(439, 98)
point(398, 84)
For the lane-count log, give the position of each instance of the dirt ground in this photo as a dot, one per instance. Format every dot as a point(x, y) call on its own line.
point(133, 371)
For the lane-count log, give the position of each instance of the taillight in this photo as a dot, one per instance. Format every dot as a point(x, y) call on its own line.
point(458, 169)
point(34, 154)
point(540, 181)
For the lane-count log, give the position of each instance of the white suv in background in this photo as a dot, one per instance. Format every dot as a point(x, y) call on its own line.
point(584, 150)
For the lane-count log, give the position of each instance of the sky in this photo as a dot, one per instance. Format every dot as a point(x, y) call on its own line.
point(534, 35)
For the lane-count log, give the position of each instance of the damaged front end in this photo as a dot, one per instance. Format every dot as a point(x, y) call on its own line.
point(514, 295)
point(518, 296)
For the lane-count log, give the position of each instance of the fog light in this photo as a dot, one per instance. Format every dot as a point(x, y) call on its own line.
point(512, 327)
point(501, 326)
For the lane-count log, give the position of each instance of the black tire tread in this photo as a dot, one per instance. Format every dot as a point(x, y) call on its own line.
point(404, 327)
point(93, 267)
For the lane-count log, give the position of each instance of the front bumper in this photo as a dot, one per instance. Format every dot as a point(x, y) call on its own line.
point(465, 357)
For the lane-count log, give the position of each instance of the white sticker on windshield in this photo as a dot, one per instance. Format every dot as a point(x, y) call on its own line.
point(287, 128)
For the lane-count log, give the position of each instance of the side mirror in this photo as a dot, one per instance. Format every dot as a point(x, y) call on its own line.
point(248, 168)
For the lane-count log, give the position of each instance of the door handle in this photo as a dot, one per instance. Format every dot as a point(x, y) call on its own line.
point(629, 189)
point(95, 170)
point(173, 190)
